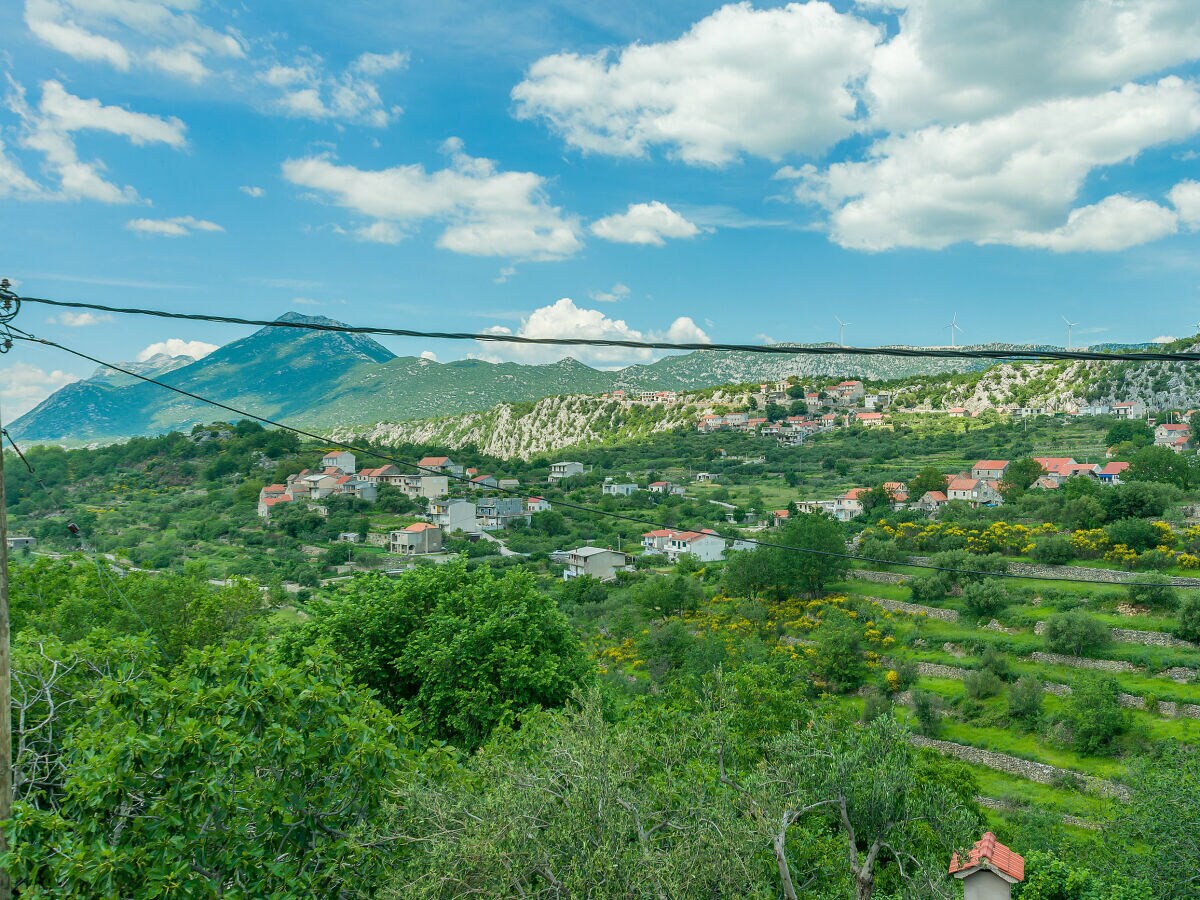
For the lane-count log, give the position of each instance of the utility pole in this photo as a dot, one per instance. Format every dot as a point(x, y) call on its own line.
point(10, 304)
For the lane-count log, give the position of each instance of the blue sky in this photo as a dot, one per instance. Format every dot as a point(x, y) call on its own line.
point(680, 169)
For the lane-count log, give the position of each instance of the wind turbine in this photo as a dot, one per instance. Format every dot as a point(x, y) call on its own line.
point(842, 331)
point(1070, 325)
point(953, 326)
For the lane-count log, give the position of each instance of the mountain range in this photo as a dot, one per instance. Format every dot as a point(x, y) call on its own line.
point(323, 379)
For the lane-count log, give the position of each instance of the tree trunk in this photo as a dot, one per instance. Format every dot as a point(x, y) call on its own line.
point(864, 884)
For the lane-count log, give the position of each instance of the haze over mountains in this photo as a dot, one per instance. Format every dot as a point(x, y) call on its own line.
point(328, 379)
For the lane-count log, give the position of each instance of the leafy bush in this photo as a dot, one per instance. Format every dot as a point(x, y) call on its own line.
point(981, 684)
point(1153, 590)
point(1095, 714)
point(930, 589)
point(986, 598)
point(1137, 534)
point(1053, 550)
point(925, 708)
point(1076, 634)
point(1188, 627)
point(1025, 701)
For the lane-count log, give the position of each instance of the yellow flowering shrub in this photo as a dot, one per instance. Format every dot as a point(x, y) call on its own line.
point(1090, 543)
point(893, 680)
point(1123, 555)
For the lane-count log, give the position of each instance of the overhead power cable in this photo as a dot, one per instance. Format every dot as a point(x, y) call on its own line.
point(577, 507)
point(1016, 354)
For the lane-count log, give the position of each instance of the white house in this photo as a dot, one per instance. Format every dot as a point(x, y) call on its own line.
point(500, 512)
point(537, 504)
point(419, 538)
point(975, 491)
point(656, 541)
point(454, 515)
point(339, 459)
point(595, 561)
point(1132, 409)
point(848, 505)
point(429, 486)
point(664, 487)
point(1176, 437)
point(614, 489)
point(560, 470)
point(706, 546)
point(441, 464)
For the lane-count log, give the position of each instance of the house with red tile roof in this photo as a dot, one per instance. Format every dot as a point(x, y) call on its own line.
point(931, 501)
point(957, 412)
point(416, 539)
point(989, 870)
point(1111, 472)
point(990, 469)
point(1132, 409)
point(976, 491)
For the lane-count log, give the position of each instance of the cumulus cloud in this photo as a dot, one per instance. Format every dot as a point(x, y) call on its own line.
point(614, 294)
point(79, 319)
point(565, 319)
point(482, 210)
point(162, 35)
point(252, 191)
point(763, 82)
point(429, 355)
point(50, 130)
point(179, 226)
point(971, 59)
point(307, 91)
point(177, 347)
point(1185, 197)
point(1163, 339)
point(644, 223)
point(1115, 223)
point(1002, 180)
point(24, 386)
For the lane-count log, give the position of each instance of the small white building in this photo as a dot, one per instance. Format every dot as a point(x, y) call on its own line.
point(706, 546)
point(989, 871)
point(537, 504)
point(454, 515)
point(1130, 409)
point(339, 459)
point(615, 489)
point(595, 561)
point(560, 470)
point(21, 542)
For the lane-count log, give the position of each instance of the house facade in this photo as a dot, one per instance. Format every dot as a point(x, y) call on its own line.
point(454, 515)
point(417, 539)
point(339, 459)
point(560, 470)
point(597, 562)
point(615, 489)
point(990, 469)
point(495, 513)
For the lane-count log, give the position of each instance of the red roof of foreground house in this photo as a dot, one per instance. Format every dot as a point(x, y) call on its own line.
point(418, 527)
point(989, 853)
point(992, 464)
point(1054, 464)
point(962, 483)
point(854, 493)
point(432, 462)
point(271, 501)
point(1175, 427)
point(935, 496)
point(781, 513)
point(1114, 468)
point(661, 532)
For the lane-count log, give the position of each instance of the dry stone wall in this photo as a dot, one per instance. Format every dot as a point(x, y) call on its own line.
point(915, 609)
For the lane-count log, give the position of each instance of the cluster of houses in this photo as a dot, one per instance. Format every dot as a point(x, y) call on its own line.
point(336, 476)
point(641, 398)
point(613, 488)
point(604, 563)
point(1173, 437)
point(978, 487)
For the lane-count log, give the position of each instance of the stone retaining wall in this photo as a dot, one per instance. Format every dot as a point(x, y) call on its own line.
point(1152, 639)
point(1109, 576)
point(915, 609)
point(1006, 806)
point(1022, 768)
point(1082, 662)
point(881, 577)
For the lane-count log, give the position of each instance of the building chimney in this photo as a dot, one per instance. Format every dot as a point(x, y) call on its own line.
point(989, 871)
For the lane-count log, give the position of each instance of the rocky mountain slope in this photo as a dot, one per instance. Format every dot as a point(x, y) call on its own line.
point(524, 430)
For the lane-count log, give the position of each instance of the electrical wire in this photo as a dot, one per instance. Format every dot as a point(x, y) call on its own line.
point(577, 507)
point(1016, 354)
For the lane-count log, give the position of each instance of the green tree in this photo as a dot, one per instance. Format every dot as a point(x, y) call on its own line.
point(235, 770)
point(1129, 431)
point(1153, 590)
point(839, 661)
point(1021, 474)
point(1095, 714)
point(663, 595)
point(1076, 633)
point(811, 555)
point(1157, 828)
point(986, 598)
point(1188, 626)
point(1025, 698)
point(1163, 465)
point(461, 649)
point(928, 479)
point(1137, 534)
point(1051, 877)
point(1053, 549)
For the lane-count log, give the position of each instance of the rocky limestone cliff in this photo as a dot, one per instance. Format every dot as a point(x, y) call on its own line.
point(524, 430)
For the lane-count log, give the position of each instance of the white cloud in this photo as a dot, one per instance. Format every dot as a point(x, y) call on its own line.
point(308, 92)
point(50, 129)
point(614, 294)
point(80, 319)
point(1115, 223)
point(505, 273)
point(762, 82)
point(13, 180)
point(1000, 180)
point(177, 347)
point(306, 301)
point(485, 212)
point(970, 59)
point(644, 223)
point(1163, 339)
point(565, 319)
point(162, 35)
point(429, 355)
point(1185, 197)
point(179, 226)
point(252, 191)
point(24, 386)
